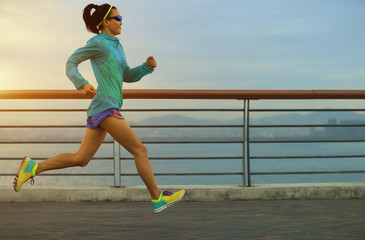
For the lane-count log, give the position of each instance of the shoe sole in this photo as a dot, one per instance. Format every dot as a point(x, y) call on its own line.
point(169, 204)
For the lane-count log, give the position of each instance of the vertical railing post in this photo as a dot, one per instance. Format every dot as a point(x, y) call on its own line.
point(248, 169)
point(116, 158)
point(244, 145)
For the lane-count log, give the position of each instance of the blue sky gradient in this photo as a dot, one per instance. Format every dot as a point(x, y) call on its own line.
point(198, 44)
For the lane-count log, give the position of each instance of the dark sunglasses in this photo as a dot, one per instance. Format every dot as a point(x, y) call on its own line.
point(118, 18)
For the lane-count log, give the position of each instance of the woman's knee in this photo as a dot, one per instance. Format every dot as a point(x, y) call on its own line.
point(80, 160)
point(139, 150)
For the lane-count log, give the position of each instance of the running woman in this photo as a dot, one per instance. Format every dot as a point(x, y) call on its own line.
point(110, 68)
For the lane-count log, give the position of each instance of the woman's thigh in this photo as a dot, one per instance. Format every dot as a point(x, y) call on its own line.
point(90, 143)
point(121, 131)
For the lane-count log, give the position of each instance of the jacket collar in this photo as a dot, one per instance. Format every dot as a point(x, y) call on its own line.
point(107, 36)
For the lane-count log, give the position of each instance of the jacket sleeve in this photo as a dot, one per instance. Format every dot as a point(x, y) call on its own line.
point(131, 75)
point(93, 49)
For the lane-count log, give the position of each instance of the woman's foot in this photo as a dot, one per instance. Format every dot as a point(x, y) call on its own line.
point(166, 199)
point(26, 171)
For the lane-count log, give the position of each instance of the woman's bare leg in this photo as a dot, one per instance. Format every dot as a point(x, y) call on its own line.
point(125, 136)
point(90, 143)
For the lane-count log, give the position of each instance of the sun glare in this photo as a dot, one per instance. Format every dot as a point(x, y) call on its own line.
point(5, 80)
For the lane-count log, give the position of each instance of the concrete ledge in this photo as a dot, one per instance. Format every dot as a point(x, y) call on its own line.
point(328, 191)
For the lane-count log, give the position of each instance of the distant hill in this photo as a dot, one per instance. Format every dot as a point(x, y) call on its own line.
point(213, 133)
point(309, 118)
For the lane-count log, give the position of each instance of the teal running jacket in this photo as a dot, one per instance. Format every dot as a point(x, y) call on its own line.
point(110, 68)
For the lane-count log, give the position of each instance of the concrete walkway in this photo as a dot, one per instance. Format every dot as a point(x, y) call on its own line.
point(272, 219)
point(300, 191)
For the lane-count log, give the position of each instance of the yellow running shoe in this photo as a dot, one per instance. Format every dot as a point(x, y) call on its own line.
point(167, 199)
point(25, 172)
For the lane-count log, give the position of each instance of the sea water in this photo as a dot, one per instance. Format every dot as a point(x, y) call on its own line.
point(230, 163)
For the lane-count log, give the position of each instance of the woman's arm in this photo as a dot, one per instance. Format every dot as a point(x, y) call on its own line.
point(93, 49)
point(135, 74)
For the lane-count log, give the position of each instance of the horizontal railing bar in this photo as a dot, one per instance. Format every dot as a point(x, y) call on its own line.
point(130, 174)
point(184, 142)
point(309, 110)
point(188, 142)
point(43, 110)
point(190, 94)
point(67, 174)
point(150, 158)
point(46, 142)
point(41, 159)
point(193, 110)
point(133, 126)
point(305, 157)
point(194, 174)
point(186, 158)
point(201, 158)
point(43, 126)
point(131, 110)
point(308, 141)
point(190, 126)
point(184, 174)
point(295, 173)
point(186, 126)
point(108, 142)
point(307, 125)
point(185, 110)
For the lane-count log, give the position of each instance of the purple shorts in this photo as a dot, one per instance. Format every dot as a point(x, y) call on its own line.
point(94, 121)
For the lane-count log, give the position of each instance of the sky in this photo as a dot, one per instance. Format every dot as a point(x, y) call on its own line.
point(198, 44)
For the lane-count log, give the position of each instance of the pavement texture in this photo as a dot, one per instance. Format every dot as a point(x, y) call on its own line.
point(194, 193)
point(279, 219)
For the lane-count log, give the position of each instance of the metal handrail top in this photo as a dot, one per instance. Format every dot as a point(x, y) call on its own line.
point(191, 94)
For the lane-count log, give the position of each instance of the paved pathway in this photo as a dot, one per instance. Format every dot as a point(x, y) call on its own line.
point(294, 219)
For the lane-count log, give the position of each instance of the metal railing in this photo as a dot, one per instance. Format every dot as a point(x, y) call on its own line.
point(246, 142)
